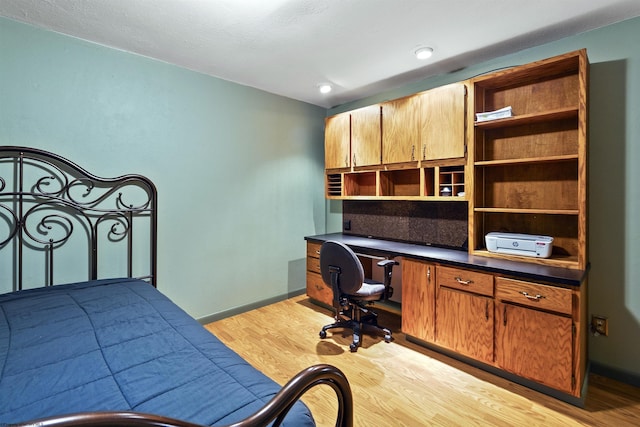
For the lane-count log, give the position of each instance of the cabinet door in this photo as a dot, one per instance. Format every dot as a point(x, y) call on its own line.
point(337, 141)
point(418, 299)
point(464, 323)
point(442, 131)
point(401, 130)
point(366, 136)
point(535, 345)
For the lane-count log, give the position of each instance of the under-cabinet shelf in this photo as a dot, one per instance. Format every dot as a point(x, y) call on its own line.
point(414, 183)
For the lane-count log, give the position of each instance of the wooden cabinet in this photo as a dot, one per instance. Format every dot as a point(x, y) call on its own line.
point(533, 332)
point(410, 148)
point(465, 312)
point(418, 299)
point(401, 130)
point(316, 288)
point(536, 335)
point(366, 136)
point(442, 122)
point(530, 170)
point(353, 139)
point(337, 141)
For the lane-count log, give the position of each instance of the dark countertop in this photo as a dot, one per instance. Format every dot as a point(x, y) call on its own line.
point(388, 248)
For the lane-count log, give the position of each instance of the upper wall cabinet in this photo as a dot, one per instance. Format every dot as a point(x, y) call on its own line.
point(426, 126)
point(442, 122)
point(401, 130)
point(366, 136)
point(337, 141)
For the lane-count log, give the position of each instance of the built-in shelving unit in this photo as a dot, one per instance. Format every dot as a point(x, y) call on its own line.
point(529, 170)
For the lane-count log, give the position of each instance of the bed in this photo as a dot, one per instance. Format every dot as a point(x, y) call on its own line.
point(106, 347)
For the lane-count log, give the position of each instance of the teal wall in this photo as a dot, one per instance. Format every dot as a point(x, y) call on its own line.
point(239, 171)
point(614, 177)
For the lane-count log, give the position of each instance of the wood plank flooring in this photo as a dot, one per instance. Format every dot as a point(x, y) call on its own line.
point(403, 384)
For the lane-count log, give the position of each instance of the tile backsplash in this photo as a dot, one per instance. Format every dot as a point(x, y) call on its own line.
point(435, 223)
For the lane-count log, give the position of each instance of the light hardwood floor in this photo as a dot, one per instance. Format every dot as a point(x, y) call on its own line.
point(403, 384)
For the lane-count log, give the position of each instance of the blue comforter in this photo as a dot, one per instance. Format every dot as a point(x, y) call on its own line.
point(120, 344)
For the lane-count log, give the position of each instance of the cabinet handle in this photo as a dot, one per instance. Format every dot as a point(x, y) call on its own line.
point(354, 160)
point(429, 274)
point(537, 297)
point(346, 160)
point(504, 316)
point(424, 151)
point(413, 152)
point(486, 310)
point(464, 282)
point(318, 252)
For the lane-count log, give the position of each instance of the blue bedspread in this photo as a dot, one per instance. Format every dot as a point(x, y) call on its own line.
point(120, 344)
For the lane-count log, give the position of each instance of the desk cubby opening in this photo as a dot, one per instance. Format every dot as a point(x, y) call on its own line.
point(360, 184)
point(403, 182)
point(451, 178)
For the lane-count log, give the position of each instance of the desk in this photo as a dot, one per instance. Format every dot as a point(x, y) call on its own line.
point(520, 320)
point(457, 258)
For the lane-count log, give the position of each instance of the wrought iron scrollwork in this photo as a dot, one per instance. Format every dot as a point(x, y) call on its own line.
point(45, 227)
point(12, 221)
point(44, 197)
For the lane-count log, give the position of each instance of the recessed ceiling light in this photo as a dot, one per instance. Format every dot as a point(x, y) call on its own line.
point(423, 52)
point(324, 88)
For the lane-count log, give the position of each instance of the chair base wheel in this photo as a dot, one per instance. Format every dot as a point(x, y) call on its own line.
point(353, 347)
point(387, 338)
point(323, 334)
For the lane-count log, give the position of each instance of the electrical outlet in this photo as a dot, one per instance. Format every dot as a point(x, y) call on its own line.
point(600, 325)
point(346, 224)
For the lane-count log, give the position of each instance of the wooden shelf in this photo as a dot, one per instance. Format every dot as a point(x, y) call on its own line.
point(528, 119)
point(547, 159)
point(567, 261)
point(530, 211)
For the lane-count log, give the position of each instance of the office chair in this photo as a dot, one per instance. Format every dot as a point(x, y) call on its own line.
point(352, 293)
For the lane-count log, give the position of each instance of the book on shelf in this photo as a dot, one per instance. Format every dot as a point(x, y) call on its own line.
point(493, 115)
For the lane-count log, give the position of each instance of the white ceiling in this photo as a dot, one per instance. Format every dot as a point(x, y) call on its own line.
point(288, 47)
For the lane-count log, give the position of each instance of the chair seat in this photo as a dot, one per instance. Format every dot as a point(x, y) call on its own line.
point(370, 290)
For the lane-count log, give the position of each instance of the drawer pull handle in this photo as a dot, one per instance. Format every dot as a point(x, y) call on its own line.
point(536, 297)
point(464, 282)
point(318, 252)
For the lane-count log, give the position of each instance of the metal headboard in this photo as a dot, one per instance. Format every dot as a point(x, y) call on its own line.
point(46, 199)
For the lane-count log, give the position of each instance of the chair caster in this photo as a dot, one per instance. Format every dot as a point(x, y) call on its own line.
point(323, 334)
point(353, 347)
point(387, 338)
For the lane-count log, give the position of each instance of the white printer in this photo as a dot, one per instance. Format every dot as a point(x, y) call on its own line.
point(519, 244)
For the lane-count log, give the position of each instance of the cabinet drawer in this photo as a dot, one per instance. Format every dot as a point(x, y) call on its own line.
point(317, 289)
point(534, 295)
point(313, 249)
point(313, 264)
point(466, 280)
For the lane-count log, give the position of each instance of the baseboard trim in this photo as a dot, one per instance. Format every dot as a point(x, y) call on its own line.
point(615, 374)
point(248, 307)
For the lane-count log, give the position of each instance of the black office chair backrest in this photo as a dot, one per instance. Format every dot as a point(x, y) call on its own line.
point(336, 254)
